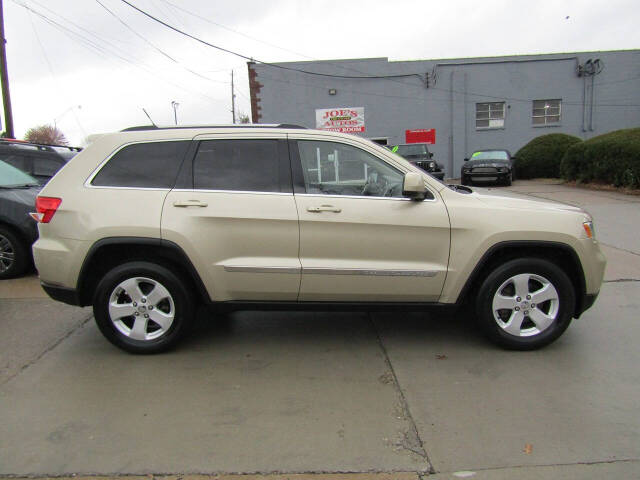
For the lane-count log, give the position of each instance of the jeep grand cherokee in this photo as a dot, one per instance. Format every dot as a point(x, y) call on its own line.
point(146, 224)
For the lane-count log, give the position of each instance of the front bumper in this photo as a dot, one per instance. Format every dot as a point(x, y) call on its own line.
point(486, 176)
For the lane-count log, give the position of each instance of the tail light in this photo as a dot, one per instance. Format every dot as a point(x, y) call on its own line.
point(46, 207)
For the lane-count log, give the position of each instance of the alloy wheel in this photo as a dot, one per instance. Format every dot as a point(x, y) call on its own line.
point(7, 254)
point(525, 304)
point(141, 308)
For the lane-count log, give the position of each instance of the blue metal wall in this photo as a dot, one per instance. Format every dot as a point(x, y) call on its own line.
point(447, 102)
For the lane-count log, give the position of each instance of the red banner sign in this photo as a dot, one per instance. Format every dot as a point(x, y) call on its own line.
point(420, 136)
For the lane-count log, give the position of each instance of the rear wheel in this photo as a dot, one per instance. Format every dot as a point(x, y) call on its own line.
point(143, 307)
point(525, 304)
point(14, 254)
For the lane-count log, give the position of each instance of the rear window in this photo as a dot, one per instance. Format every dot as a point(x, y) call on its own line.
point(143, 165)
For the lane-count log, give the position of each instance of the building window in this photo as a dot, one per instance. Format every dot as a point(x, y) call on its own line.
point(547, 112)
point(490, 115)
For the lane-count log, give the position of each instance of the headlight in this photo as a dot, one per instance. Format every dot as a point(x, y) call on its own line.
point(432, 164)
point(588, 228)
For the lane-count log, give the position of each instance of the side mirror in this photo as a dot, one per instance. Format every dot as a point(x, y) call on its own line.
point(413, 186)
point(466, 159)
point(430, 154)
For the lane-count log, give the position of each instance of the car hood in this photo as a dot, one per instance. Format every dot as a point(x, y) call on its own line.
point(509, 199)
point(486, 163)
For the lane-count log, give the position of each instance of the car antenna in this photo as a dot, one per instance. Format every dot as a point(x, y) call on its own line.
point(149, 117)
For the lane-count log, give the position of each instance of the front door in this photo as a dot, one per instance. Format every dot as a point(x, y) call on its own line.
point(360, 240)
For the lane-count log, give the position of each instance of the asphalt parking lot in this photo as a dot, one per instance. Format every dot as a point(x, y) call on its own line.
point(381, 395)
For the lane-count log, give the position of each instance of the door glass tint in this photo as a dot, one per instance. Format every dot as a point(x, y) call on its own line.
point(143, 165)
point(240, 165)
point(338, 169)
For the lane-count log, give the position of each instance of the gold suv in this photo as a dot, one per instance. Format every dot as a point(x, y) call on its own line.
point(147, 223)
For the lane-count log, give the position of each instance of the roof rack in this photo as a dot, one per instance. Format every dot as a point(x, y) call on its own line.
point(39, 146)
point(242, 125)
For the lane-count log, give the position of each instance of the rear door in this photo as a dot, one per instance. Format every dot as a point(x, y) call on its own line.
point(234, 214)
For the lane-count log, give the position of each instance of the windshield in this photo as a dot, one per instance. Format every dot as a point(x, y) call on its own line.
point(12, 177)
point(408, 150)
point(490, 155)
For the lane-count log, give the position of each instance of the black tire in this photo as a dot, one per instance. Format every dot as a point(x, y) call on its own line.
point(508, 180)
point(529, 335)
point(14, 254)
point(145, 277)
point(465, 181)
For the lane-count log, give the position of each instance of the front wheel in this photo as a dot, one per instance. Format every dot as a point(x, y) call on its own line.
point(143, 307)
point(525, 303)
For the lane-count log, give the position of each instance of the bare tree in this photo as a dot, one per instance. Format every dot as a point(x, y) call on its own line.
point(46, 134)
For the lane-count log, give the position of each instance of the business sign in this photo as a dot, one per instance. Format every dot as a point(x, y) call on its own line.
point(345, 120)
point(420, 136)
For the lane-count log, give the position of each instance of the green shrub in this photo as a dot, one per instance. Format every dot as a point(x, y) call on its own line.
point(541, 157)
point(612, 158)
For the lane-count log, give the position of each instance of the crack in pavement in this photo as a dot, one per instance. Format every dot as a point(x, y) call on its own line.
point(338, 473)
point(47, 350)
point(411, 440)
point(622, 280)
point(543, 465)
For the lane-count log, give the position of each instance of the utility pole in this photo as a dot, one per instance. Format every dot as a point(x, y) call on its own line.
point(4, 77)
point(233, 99)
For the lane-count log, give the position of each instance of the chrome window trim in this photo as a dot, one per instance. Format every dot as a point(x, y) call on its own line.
point(332, 271)
point(197, 190)
point(154, 189)
point(92, 175)
point(397, 199)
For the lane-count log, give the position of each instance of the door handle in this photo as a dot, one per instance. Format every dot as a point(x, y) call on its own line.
point(189, 203)
point(324, 208)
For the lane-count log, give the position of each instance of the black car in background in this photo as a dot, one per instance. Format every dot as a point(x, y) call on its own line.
point(40, 161)
point(488, 166)
point(18, 230)
point(420, 156)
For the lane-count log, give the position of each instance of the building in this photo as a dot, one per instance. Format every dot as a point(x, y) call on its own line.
point(472, 103)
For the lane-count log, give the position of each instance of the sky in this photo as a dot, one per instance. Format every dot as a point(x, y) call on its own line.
point(91, 66)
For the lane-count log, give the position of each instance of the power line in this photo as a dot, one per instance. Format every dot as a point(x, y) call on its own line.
point(156, 48)
point(282, 67)
point(234, 31)
point(53, 75)
point(274, 65)
point(88, 43)
point(343, 67)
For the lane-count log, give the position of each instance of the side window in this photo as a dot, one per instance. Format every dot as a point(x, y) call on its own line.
point(143, 165)
point(337, 169)
point(46, 167)
point(240, 165)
